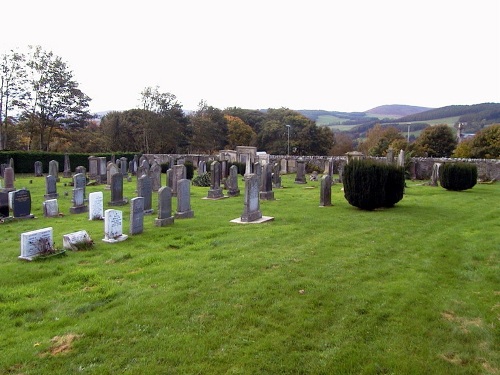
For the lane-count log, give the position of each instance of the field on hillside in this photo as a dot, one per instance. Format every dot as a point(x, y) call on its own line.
point(320, 290)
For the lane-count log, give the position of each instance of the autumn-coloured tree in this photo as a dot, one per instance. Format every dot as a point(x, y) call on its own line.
point(342, 143)
point(239, 133)
point(486, 143)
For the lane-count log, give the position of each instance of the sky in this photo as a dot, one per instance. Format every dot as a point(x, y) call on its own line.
point(255, 54)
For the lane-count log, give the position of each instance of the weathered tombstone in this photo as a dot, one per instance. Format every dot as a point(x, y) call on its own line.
point(232, 182)
point(54, 169)
point(300, 178)
point(50, 187)
point(101, 170)
point(79, 240)
point(178, 173)
point(38, 169)
point(136, 225)
point(111, 169)
point(123, 166)
point(223, 169)
point(215, 191)
point(184, 200)
point(8, 178)
point(96, 206)
point(284, 166)
point(145, 190)
point(257, 170)
point(4, 204)
point(50, 208)
point(266, 183)
point(202, 167)
point(21, 204)
point(248, 166)
point(67, 167)
point(35, 243)
point(155, 173)
point(276, 176)
point(389, 157)
point(325, 194)
point(93, 167)
point(436, 169)
point(2, 169)
point(80, 182)
point(314, 176)
point(401, 159)
point(113, 226)
point(251, 210)
point(117, 199)
point(164, 207)
point(79, 205)
point(131, 167)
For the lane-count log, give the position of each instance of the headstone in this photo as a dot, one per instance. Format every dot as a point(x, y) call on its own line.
point(284, 166)
point(21, 204)
point(223, 169)
point(202, 167)
point(113, 226)
point(232, 182)
point(54, 169)
point(436, 169)
point(123, 166)
point(79, 240)
point(4, 204)
point(390, 156)
point(111, 169)
point(248, 165)
point(131, 167)
point(300, 178)
point(80, 182)
point(67, 167)
point(215, 191)
point(82, 170)
point(136, 215)
point(314, 176)
point(79, 205)
point(38, 169)
point(401, 159)
point(276, 176)
point(50, 208)
point(251, 210)
point(2, 169)
point(93, 167)
point(117, 190)
point(103, 168)
point(178, 173)
point(96, 206)
point(37, 242)
point(155, 173)
point(145, 190)
point(164, 207)
point(8, 178)
point(50, 187)
point(325, 195)
point(266, 183)
point(184, 200)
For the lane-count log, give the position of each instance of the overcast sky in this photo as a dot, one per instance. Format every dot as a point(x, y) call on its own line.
point(309, 54)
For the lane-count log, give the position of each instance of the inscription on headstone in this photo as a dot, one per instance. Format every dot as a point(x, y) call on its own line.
point(50, 208)
point(50, 187)
point(136, 215)
point(164, 207)
point(96, 206)
point(21, 204)
point(184, 200)
point(79, 240)
point(113, 226)
point(36, 243)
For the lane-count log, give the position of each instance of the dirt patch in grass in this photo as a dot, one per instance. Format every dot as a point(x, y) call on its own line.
point(61, 344)
point(464, 323)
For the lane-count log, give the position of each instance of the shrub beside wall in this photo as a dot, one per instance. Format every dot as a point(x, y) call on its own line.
point(458, 176)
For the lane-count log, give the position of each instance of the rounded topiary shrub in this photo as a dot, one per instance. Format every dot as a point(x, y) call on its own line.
point(458, 176)
point(369, 185)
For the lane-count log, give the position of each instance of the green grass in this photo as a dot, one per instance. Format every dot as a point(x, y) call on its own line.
point(334, 290)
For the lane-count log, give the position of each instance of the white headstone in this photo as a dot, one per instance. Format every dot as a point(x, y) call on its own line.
point(96, 206)
point(50, 208)
point(113, 226)
point(36, 242)
point(77, 240)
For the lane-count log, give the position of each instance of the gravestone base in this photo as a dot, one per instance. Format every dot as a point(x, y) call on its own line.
point(215, 199)
point(148, 212)
point(184, 215)
point(164, 222)
point(30, 216)
point(215, 193)
point(78, 209)
point(261, 220)
point(300, 181)
point(266, 195)
point(233, 193)
point(118, 203)
point(51, 196)
point(120, 238)
point(251, 216)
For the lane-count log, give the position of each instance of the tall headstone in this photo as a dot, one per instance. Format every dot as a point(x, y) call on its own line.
point(35, 243)
point(50, 187)
point(38, 169)
point(123, 166)
point(276, 176)
point(164, 207)
point(54, 169)
point(251, 210)
point(111, 169)
point(325, 195)
point(401, 159)
point(436, 169)
point(284, 166)
point(67, 166)
point(4, 204)
point(389, 157)
point(136, 225)
point(113, 226)
point(232, 182)
point(78, 200)
point(93, 167)
point(117, 190)
point(266, 183)
point(300, 178)
point(96, 206)
point(80, 182)
point(155, 173)
point(145, 190)
point(179, 173)
point(82, 170)
point(103, 168)
point(50, 208)
point(215, 191)
point(21, 204)
point(8, 179)
point(184, 200)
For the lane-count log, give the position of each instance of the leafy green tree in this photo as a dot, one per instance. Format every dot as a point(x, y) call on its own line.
point(379, 139)
point(208, 129)
point(463, 149)
point(239, 133)
point(486, 143)
point(437, 141)
point(123, 131)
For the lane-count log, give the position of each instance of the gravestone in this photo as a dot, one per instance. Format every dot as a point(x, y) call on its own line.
point(93, 167)
point(276, 177)
point(202, 167)
point(300, 178)
point(8, 179)
point(248, 164)
point(67, 167)
point(80, 182)
point(21, 204)
point(117, 190)
point(50, 187)
point(389, 157)
point(111, 169)
point(54, 169)
point(184, 200)
point(155, 173)
point(96, 206)
point(131, 167)
point(50, 208)
point(284, 166)
point(164, 207)
point(38, 169)
point(4, 204)
point(436, 169)
point(401, 159)
point(179, 173)
point(79, 240)
point(136, 215)
point(113, 226)
point(35, 243)
point(123, 166)
point(266, 183)
point(251, 210)
point(79, 205)
point(102, 170)
point(215, 191)
point(325, 195)
point(145, 190)
point(232, 182)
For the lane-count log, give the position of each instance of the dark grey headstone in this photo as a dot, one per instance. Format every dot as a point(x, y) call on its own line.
point(136, 215)
point(164, 207)
point(251, 210)
point(145, 190)
point(184, 200)
point(50, 187)
point(21, 204)
point(38, 169)
point(117, 190)
point(325, 198)
point(4, 204)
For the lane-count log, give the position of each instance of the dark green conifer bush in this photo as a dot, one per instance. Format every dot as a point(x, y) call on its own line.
point(458, 176)
point(369, 185)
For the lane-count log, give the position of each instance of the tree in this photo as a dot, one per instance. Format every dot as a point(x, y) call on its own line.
point(463, 149)
point(486, 143)
point(208, 129)
point(379, 139)
point(122, 130)
point(342, 143)
point(239, 133)
point(437, 141)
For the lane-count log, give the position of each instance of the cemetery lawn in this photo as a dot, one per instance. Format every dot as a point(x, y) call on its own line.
point(320, 290)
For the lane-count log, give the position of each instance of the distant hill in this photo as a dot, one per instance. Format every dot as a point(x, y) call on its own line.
point(466, 113)
point(395, 110)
